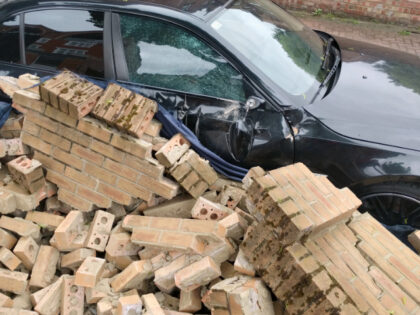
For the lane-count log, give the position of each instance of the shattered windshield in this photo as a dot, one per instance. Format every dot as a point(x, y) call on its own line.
point(281, 47)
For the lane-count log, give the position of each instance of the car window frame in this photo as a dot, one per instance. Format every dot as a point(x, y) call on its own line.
point(109, 67)
point(19, 38)
point(121, 66)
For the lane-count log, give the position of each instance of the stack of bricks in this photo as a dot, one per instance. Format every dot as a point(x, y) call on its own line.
point(92, 164)
point(125, 110)
point(319, 255)
point(192, 172)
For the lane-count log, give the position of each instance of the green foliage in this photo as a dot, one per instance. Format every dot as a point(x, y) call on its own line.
point(300, 52)
point(317, 12)
point(404, 33)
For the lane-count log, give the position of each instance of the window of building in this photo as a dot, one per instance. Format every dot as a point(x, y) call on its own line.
point(52, 30)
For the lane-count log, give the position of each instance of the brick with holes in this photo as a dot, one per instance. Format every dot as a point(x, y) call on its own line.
point(205, 209)
point(99, 230)
point(71, 233)
point(230, 196)
point(172, 151)
point(27, 172)
point(120, 250)
point(73, 297)
point(27, 250)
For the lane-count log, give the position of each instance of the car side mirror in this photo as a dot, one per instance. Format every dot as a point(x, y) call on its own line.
point(253, 102)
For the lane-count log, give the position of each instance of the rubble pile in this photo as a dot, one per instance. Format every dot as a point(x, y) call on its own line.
point(100, 215)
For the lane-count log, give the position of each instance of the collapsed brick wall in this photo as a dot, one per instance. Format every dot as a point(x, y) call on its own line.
point(401, 11)
point(318, 255)
point(91, 163)
point(292, 228)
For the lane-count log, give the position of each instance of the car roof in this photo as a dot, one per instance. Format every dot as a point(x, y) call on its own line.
point(198, 8)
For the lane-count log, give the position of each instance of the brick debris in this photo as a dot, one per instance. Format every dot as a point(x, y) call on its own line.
point(101, 215)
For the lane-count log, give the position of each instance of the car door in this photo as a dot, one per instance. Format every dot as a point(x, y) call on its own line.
point(42, 42)
point(200, 87)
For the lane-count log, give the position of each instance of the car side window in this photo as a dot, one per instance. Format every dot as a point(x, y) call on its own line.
point(163, 55)
point(65, 39)
point(9, 40)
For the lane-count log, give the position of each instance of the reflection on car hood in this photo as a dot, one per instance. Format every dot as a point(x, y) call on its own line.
point(377, 97)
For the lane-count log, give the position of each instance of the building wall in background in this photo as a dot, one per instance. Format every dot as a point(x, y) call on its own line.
point(395, 11)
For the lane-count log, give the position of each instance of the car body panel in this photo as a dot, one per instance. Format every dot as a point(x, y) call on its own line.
point(376, 99)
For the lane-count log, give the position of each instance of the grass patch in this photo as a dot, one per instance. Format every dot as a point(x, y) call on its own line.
point(404, 33)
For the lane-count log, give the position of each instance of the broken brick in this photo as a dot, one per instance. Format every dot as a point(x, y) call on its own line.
point(27, 172)
point(87, 275)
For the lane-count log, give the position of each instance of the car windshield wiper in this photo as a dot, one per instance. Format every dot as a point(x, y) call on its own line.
point(327, 53)
point(331, 72)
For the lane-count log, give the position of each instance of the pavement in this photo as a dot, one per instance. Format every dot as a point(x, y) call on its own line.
point(398, 37)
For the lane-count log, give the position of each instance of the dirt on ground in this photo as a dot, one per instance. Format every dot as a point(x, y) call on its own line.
point(400, 37)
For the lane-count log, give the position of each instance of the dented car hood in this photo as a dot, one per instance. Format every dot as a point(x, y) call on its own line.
point(376, 98)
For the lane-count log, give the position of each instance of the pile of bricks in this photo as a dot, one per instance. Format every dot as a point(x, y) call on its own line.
point(100, 215)
point(319, 255)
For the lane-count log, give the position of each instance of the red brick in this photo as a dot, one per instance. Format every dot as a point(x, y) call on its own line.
point(115, 194)
point(29, 100)
point(148, 167)
point(36, 143)
point(101, 173)
point(136, 147)
point(94, 129)
point(49, 163)
point(74, 135)
point(31, 128)
point(164, 187)
point(197, 274)
point(135, 190)
point(87, 154)
point(100, 200)
point(55, 114)
point(172, 151)
point(55, 140)
point(81, 178)
point(121, 170)
point(42, 121)
point(73, 200)
point(61, 181)
point(67, 158)
point(107, 150)
point(414, 239)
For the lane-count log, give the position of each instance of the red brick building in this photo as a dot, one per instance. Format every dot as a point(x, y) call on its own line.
point(399, 11)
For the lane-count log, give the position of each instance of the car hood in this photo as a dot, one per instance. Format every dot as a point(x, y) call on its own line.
point(376, 98)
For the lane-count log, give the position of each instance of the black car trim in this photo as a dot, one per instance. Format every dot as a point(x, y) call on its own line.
point(216, 12)
point(120, 60)
point(22, 39)
point(109, 67)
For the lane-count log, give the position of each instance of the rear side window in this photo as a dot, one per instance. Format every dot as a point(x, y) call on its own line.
point(65, 39)
point(9, 40)
point(163, 55)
